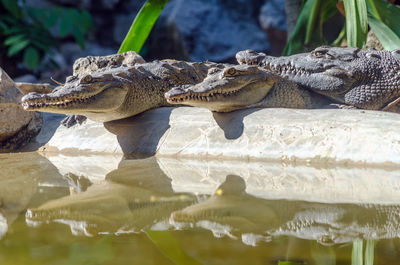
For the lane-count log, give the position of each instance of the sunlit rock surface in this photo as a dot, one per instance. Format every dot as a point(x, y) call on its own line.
point(17, 126)
point(288, 135)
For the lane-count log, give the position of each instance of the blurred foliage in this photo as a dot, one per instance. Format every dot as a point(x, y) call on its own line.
point(27, 30)
point(382, 17)
point(142, 25)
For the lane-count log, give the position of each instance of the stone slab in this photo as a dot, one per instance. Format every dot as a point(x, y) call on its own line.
point(288, 135)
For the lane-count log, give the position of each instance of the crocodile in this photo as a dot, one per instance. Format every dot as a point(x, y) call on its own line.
point(241, 86)
point(115, 91)
point(366, 79)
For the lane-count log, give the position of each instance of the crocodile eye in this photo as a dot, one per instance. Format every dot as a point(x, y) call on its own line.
point(70, 78)
point(396, 52)
point(373, 55)
point(319, 52)
point(329, 56)
point(86, 79)
point(230, 72)
point(212, 71)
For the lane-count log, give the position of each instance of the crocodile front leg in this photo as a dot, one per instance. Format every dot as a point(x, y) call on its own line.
point(71, 120)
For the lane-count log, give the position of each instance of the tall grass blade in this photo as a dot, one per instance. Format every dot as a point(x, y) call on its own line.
point(372, 9)
point(312, 20)
point(357, 253)
point(369, 252)
point(355, 16)
point(363, 16)
point(142, 25)
point(296, 42)
point(389, 40)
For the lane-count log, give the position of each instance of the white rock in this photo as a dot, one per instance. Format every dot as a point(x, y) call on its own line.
point(310, 136)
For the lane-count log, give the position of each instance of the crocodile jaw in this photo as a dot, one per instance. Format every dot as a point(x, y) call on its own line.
point(96, 103)
point(222, 95)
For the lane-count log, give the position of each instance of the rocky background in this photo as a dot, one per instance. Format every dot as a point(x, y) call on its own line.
point(194, 30)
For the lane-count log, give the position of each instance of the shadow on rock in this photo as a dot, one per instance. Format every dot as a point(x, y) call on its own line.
point(50, 124)
point(139, 136)
point(232, 122)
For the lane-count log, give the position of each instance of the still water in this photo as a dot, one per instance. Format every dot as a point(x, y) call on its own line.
point(106, 210)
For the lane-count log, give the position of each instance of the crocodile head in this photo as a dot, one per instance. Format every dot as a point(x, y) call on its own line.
point(363, 78)
point(226, 89)
point(100, 92)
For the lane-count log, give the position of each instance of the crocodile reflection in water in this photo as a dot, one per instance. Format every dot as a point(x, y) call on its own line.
point(232, 212)
point(122, 203)
point(138, 195)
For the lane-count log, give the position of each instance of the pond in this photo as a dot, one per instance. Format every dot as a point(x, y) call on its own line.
point(96, 209)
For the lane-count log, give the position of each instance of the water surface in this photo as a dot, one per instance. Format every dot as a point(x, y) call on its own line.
point(104, 210)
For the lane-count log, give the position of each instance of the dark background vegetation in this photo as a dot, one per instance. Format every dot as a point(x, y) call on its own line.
point(56, 32)
point(40, 39)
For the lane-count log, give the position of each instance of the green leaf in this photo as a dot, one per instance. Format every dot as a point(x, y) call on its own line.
point(31, 57)
point(41, 46)
point(296, 41)
point(387, 13)
point(3, 26)
point(356, 17)
point(87, 20)
point(15, 38)
point(371, 7)
point(12, 7)
point(389, 39)
point(50, 19)
point(79, 37)
point(312, 20)
point(308, 30)
point(142, 25)
point(328, 9)
point(362, 15)
point(14, 30)
point(65, 25)
point(340, 38)
point(15, 48)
